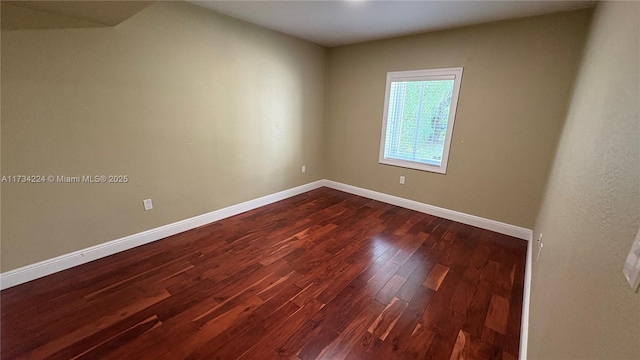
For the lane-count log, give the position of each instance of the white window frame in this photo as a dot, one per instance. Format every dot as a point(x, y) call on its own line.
point(422, 75)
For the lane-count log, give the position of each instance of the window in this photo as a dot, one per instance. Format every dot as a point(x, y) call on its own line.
point(419, 110)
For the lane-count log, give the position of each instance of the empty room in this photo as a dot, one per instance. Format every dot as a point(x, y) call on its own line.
point(320, 180)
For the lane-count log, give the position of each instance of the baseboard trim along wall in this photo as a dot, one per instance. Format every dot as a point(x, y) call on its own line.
point(499, 227)
point(63, 262)
point(526, 298)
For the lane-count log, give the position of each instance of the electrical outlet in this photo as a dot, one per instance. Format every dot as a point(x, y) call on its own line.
point(148, 205)
point(631, 268)
point(304, 169)
point(402, 180)
point(540, 246)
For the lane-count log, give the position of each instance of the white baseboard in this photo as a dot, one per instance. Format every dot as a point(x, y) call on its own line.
point(499, 227)
point(526, 298)
point(63, 262)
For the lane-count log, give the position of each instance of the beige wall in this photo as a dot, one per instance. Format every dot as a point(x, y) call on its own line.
point(201, 111)
point(516, 82)
point(581, 305)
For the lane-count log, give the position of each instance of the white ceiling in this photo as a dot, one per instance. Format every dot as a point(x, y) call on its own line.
point(334, 23)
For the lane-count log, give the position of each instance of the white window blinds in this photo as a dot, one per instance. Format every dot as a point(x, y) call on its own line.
point(419, 119)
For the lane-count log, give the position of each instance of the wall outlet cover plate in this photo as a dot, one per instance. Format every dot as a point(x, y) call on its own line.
point(631, 268)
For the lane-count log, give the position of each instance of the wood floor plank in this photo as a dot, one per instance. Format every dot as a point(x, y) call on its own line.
point(353, 333)
point(80, 333)
point(389, 289)
point(321, 275)
point(387, 319)
point(477, 312)
point(271, 345)
point(403, 336)
point(318, 344)
point(498, 314)
point(436, 277)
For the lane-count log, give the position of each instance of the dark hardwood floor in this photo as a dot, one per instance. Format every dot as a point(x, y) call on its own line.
point(323, 275)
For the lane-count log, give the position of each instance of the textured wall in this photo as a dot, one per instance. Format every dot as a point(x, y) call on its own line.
point(516, 83)
point(200, 110)
point(581, 305)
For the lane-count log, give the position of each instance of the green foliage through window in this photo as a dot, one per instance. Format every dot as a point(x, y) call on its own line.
point(417, 119)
